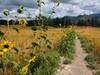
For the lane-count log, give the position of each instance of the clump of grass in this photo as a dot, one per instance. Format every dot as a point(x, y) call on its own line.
point(86, 44)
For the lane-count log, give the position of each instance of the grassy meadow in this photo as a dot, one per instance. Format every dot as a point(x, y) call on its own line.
point(92, 34)
point(24, 38)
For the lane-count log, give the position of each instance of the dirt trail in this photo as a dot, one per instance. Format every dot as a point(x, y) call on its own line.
point(78, 66)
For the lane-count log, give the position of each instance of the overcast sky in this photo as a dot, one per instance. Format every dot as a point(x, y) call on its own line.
point(66, 8)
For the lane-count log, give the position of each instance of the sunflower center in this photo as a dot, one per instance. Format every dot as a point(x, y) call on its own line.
point(6, 46)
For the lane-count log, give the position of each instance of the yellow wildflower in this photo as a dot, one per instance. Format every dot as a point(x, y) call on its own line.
point(33, 59)
point(6, 46)
point(24, 70)
point(23, 22)
point(71, 29)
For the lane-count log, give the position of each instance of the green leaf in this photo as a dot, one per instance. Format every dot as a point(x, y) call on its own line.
point(16, 65)
point(1, 34)
point(16, 49)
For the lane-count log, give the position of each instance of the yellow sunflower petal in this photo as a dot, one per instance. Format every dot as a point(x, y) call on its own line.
point(5, 50)
point(1, 53)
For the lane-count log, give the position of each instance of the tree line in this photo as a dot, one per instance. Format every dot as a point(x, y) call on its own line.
point(82, 20)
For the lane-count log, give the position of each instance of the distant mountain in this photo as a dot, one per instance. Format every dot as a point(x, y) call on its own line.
point(83, 20)
point(74, 18)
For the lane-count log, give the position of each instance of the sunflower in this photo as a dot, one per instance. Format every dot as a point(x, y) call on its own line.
point(20, 9)
point(23, 22)
point(6, 46)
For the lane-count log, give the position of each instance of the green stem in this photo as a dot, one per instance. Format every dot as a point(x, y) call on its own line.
point(8, 24)
point(3, 70)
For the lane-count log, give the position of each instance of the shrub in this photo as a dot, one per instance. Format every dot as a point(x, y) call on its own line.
point(91, 61)
point(90, 58)
point(66, 47)
point(46, 64)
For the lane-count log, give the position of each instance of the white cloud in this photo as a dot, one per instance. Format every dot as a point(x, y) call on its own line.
point(66, 8)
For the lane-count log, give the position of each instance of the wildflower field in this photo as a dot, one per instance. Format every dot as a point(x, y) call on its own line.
point(27, 47)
